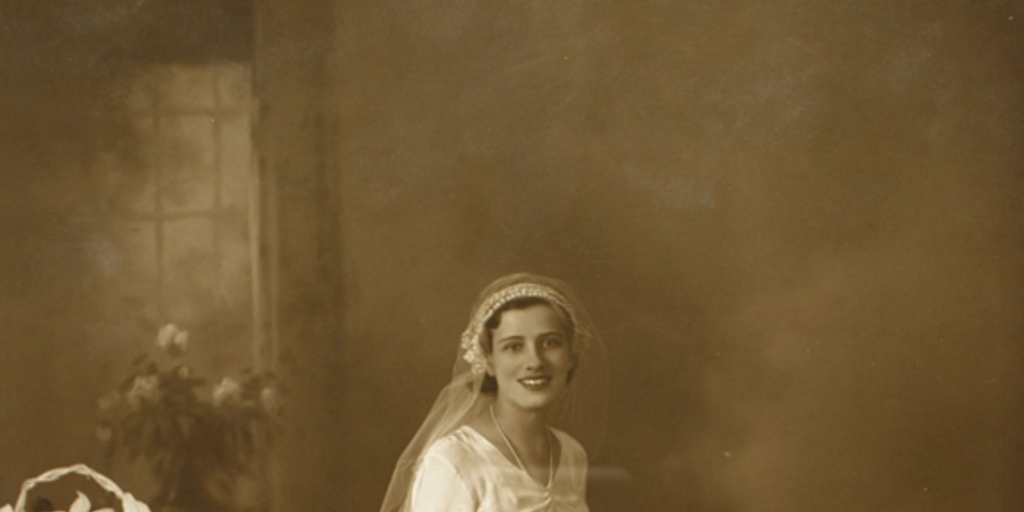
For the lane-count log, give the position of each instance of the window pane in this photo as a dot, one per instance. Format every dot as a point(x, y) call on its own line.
point(136, 276)
point(190, 270)
point(187, 88)
point(233, 89)
point(236, 162)
point(187, 155)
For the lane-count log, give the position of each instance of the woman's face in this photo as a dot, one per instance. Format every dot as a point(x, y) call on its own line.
point(530, 357)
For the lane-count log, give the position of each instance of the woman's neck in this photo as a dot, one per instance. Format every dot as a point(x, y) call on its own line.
point(519, 424)
point(527, 438)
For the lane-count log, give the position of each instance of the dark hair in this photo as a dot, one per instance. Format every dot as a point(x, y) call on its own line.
point(490, 384)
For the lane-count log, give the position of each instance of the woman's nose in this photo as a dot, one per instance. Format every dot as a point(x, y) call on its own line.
point(535, 361)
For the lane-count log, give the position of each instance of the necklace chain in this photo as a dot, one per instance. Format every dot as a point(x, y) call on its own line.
point(519, 462)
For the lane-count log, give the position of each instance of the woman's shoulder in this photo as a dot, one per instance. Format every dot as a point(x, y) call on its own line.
point(457, 447)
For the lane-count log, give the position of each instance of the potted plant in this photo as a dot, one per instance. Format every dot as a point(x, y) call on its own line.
point(203, 444)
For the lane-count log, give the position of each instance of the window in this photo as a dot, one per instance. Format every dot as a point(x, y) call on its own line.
point(184, 218)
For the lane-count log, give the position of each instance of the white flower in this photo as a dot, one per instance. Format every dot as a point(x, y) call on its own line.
point(228, 391)
point(146, 388)
point(109, 400)
point(81, 504)
point(172, 340)
point(181, 341)
point(165, 338)
point(130, 504)
point(270, 400)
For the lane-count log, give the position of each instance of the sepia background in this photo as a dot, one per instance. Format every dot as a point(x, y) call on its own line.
point(798, 225)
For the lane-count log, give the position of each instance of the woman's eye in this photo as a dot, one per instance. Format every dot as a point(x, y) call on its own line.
point(553, 342)
point(513, 347)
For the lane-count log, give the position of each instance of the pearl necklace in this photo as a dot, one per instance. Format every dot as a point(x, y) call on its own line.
point(519, 462)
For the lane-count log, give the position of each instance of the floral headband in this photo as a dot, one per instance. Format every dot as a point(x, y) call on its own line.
point(471, 338)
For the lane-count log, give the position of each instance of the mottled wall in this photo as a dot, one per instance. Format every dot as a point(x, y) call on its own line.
point(798, 225)
point(55, 120)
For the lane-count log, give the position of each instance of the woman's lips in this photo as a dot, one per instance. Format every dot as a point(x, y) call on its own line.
point(536, 383)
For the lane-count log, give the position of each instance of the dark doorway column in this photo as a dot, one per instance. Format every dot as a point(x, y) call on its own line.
point(295, 127)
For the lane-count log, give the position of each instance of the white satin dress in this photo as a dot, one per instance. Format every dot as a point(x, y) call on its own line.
point(464, 472)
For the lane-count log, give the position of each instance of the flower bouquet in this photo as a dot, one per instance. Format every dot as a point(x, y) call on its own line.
point(198, 442)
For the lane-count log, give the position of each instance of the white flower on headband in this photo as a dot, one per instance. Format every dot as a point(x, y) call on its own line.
point(471, 338)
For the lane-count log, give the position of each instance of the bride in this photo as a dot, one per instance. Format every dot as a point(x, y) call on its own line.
point(530, 370)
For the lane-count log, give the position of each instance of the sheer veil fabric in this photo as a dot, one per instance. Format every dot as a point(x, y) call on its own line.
point(580, 411)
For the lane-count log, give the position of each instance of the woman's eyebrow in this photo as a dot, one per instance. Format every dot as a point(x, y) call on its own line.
point(520, 337)
point(552, 333)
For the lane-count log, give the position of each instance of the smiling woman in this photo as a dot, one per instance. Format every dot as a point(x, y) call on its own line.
point(529, 345)
point(502, 436)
